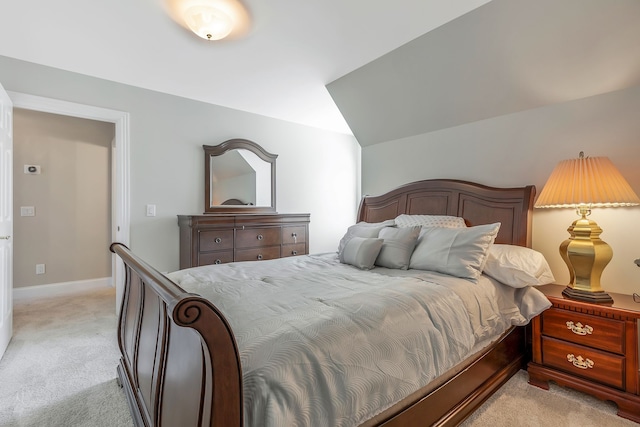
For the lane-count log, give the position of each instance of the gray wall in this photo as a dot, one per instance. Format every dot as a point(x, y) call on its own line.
point(71, 196)
point(523, 148)
point(500, 96)
point(317, 171)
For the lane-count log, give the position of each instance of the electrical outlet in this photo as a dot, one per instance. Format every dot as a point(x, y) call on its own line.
point(151, 210)
point(39, 268)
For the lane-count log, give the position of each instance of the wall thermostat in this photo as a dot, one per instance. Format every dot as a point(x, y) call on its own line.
point(32, 169)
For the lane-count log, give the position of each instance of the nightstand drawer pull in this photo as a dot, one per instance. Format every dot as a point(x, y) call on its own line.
point(579, 328)
point(580, 362)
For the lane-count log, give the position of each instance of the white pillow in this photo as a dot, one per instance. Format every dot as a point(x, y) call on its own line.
point(517, 266)
point(397, 247)
point(361, 252)
point(459, 252)
point(447, 221)
point(364, 229)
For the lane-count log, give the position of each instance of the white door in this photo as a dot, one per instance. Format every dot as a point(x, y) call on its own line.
point(6, 220)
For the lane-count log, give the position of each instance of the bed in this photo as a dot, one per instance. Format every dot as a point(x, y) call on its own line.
point(181, 363)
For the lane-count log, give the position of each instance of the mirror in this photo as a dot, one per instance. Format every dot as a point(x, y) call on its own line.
point(240, 177)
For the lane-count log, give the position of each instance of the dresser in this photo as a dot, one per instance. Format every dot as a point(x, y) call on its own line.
point(221, 238)
point(588, 347)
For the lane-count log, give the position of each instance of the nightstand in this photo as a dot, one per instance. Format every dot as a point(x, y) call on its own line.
point(592, 348)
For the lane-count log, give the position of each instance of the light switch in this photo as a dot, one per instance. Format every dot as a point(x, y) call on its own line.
point(27, 211)
point(151, 210)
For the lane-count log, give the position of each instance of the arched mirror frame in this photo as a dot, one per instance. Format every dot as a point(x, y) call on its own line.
point(220, 149)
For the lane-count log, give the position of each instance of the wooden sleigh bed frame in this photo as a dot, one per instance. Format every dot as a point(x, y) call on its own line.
point(180, 365)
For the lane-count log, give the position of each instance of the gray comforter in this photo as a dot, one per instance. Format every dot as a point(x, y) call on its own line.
point(326, 344)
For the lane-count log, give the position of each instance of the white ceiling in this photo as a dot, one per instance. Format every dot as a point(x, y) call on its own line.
point(278, 69)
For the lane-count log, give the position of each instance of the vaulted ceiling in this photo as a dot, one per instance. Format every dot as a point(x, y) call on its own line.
point(501, 58)
point(279, 68)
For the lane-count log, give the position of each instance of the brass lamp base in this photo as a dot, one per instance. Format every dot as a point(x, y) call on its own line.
point(593, 297)
point(586, 255)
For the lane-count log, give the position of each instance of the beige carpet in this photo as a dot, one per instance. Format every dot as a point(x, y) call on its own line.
point(60, 368)
point(519, 404)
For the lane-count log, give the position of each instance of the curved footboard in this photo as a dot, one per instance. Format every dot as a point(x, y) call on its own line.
point(180, 364)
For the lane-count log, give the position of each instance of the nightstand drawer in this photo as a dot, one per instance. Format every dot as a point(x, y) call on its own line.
point(584, 329)
point(605, 368)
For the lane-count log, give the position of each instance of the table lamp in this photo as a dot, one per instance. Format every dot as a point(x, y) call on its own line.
point(582, 184)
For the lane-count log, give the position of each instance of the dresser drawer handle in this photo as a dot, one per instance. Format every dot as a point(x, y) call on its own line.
point(294, 252)
point(218, 240)
point(579, 328)
point(259, 256)
point(295, 237)
point(217, 261)
point(260, 237)
point(580, 362)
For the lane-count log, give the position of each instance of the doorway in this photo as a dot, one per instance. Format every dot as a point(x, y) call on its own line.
point(120, 215)
point(62, 203)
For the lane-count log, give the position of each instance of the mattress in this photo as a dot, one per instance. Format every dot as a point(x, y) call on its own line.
point(325, 344)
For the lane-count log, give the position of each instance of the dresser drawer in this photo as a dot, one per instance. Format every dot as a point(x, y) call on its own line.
point(293, 250)
point(215, 240)
point(219, 257)
point(257, 237)
point(258, 254)
point(294, 235)
point(605, 368)
point(227, 237)
point(584, 329)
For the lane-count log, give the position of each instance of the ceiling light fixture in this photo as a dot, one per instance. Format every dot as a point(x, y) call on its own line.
point(210, 19)
point(208, 22)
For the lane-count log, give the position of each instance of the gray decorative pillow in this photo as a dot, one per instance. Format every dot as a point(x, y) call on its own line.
point(460, 252)
point(361, 252)
point(397, 247)
point(364, 229)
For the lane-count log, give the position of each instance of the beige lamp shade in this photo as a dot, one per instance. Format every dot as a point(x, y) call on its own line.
point(590, 181)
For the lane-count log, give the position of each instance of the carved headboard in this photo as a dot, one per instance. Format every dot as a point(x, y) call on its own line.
point(476, 203)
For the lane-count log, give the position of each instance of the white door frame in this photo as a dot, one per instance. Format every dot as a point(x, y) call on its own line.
point(6, 220)
point(120, 193)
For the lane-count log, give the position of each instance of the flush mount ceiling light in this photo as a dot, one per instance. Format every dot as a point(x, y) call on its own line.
point(208, 21)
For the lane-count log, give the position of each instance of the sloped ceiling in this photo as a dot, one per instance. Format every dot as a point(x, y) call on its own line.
point(278, 69)
point(503, 57)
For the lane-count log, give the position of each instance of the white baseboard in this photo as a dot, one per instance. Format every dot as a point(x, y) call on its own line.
point(58, 289)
